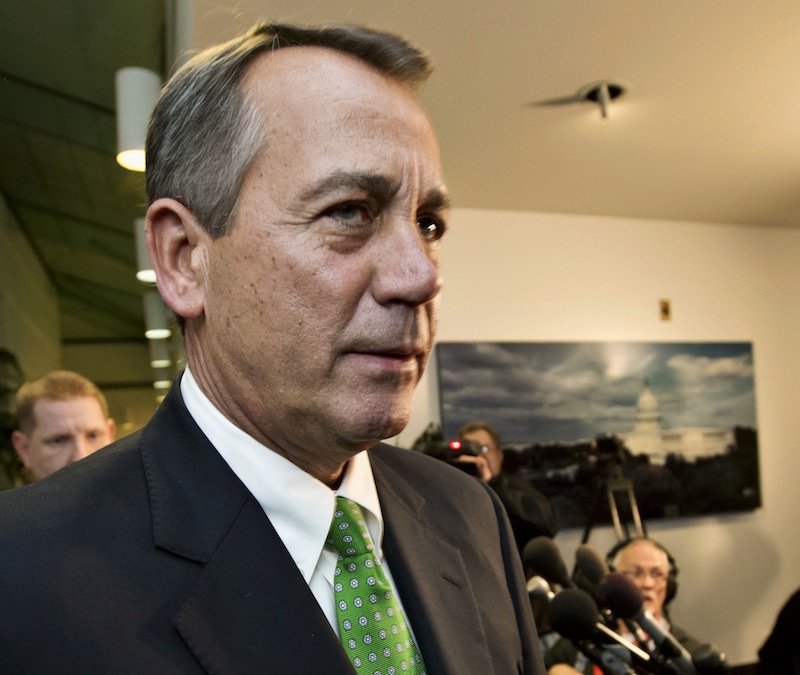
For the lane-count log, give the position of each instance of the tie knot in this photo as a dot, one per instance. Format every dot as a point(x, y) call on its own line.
point(348, 533)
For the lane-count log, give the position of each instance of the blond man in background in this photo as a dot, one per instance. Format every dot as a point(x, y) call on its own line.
point(61, 417)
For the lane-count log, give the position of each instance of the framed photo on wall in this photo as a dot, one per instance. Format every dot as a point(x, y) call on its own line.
point(678, 420)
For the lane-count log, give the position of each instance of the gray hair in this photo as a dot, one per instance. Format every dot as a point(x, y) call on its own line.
point(204, 134)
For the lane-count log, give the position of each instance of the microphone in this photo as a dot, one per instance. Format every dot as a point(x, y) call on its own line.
point(625, 600)
point(589, 562)
point(539, 588)
point(709, 661)
point(590, 568)
point(574, 614)
point(542, 554)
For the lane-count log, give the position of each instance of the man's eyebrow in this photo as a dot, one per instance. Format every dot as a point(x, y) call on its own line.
point(436, 199)
point(370, 183)
point(54, 437)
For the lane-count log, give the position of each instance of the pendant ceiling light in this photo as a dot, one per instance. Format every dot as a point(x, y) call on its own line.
point(155, 317)
point(137, 90)
point(159, 354)
point(144, 270)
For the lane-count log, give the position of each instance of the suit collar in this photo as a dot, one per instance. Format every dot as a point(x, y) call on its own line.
point(431, 575)
point(194, 495)
point(252, 612)
point(250, 603)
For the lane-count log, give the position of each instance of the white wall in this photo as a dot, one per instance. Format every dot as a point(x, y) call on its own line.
point(544, 277)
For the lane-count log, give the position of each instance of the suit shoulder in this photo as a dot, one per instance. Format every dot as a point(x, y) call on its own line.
point(438, 481)
point(90, 485)
point(428, 468)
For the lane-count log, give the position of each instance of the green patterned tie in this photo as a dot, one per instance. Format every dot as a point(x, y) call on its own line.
point(372, 627)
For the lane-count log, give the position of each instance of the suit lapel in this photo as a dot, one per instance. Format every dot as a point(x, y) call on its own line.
point(250, 607)
point(252, 612)
point(431, 577)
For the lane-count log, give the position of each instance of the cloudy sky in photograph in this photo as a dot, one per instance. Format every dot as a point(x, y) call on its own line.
point(562, 391)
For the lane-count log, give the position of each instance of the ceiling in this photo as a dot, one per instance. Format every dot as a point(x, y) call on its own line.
point(708, 129)
point(58, 174)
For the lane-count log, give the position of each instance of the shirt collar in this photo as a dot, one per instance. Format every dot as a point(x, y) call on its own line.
point(299, 506)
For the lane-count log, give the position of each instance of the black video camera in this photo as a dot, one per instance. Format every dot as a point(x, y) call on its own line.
point(450, 451)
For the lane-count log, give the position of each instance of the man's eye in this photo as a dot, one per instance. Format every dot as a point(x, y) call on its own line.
point(350, 213)
point(431, 227)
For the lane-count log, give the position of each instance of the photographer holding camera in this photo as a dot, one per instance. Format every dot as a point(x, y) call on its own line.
point(529, 511)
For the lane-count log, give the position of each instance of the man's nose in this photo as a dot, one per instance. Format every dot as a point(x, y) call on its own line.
point(83, 448)
point(408, 269)
point(648, 580)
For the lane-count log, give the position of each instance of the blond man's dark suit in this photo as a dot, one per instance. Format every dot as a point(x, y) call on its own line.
point(152, 557)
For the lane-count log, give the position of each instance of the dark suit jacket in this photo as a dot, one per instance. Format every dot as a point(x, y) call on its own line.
point(152, 557)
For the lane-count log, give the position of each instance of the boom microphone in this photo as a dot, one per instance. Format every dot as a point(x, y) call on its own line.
point(542, 554)
point(625, 600)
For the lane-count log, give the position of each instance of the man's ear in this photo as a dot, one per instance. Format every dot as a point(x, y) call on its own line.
point(112, 429)
point(178, 247)
point(20, 443)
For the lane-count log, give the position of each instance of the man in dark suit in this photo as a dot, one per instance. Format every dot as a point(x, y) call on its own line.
point(296, 204)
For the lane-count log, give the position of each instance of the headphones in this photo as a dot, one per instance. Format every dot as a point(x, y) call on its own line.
point(672, 573)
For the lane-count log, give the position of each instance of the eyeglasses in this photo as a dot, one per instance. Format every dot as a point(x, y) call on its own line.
point(658, 575)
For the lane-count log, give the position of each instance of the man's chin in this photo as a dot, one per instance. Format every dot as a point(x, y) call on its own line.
point(395, 429)
point(374, 429)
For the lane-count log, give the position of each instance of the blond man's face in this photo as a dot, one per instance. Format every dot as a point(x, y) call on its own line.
point(63, 432)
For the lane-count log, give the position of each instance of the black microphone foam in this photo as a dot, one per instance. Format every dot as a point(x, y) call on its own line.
point(619, 594)
point(542, 554)
point(625, 600)
point(573, 614)
point(589, 562)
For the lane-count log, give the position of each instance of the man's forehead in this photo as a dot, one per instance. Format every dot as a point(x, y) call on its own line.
point(480, 433)
point(346, 124)
point(644, 552)
point(45, 408)
point(301, 74)
point(298, 62)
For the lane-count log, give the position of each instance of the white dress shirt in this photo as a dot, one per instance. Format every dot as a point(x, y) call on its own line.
point(299, 506)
